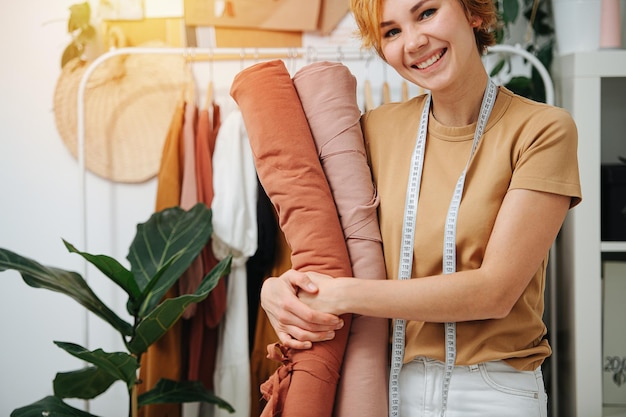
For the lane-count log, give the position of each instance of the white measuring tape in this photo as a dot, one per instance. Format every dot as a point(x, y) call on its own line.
point(449, 246)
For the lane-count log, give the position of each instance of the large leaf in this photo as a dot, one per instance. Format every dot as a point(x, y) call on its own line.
point(167, 391)
point(112, 269)
point(510, 10)
point(65, 282)
point(144, 304)
point(51, 407)
point(165, 315)
point(169, 233)
point(120, 365)
point(80, 15)
point(85, 384)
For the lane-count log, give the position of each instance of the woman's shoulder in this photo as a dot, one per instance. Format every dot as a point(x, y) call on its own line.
point(522, 106)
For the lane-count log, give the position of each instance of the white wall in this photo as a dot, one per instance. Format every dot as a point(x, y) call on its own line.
point(40, 203)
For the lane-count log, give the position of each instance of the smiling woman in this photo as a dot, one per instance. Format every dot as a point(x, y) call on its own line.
point(493, 175)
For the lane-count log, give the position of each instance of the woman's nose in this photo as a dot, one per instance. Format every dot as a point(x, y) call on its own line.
point(414, 39)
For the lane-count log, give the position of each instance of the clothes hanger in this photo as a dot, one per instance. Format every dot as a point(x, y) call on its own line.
point(189, 88)
point(367, 87)
point(386, 95)
point(405, 90)
point(208, 99)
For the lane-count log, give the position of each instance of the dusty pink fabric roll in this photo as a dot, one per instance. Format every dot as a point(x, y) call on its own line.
point(291, 174)
point(327, 92)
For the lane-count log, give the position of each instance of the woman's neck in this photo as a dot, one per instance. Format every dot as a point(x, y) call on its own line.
point(460, 106)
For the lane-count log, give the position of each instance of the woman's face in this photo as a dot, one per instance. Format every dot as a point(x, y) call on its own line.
point(429, 42)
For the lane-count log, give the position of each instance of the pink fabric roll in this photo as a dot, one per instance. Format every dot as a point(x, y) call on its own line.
point(291, 174)
point(327, 92)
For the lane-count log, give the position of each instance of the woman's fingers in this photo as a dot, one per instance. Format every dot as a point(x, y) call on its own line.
point(295, 323)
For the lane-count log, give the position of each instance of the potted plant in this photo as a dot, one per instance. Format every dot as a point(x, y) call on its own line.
point(163, 248)
point(81, 30)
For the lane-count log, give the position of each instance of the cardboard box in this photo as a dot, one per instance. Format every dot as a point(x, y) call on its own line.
point(282, 15)
point(169, 31)
point(614, 334)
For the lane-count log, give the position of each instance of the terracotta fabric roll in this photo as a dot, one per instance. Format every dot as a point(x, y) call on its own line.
point(291, 174)
point(327, 92)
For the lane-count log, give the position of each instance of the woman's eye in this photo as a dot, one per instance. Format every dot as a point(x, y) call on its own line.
point(428, 13)
point(391, 33)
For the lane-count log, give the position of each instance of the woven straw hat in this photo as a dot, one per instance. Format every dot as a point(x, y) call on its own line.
point(130, 101)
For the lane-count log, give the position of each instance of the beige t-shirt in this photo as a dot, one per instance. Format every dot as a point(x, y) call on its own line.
point(525, 145)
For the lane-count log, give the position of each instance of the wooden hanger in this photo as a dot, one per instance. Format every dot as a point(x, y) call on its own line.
point(405, 90)
point(386, 94)
point(208, 99)
point(367, 95)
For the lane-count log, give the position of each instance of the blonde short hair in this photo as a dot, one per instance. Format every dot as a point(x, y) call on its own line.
point(368, 15)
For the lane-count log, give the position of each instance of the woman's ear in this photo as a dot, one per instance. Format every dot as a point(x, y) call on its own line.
point(476, 21)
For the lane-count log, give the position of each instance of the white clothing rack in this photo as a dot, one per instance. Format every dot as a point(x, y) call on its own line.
point(195, 54)
point(309, 54)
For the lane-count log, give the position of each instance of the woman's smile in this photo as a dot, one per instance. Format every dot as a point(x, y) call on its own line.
point(430, 61)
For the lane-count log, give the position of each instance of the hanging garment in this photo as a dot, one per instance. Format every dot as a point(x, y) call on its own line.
point(261, 367)
point(234, 233)
point(191, 278)
point(260, 265)
point(163, 357)
point(290, 171)
point(327, 92)
point(203, 325)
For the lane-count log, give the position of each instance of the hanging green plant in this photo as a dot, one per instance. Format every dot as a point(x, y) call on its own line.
point(80, 29)
point(539, 41)
point(162, 250)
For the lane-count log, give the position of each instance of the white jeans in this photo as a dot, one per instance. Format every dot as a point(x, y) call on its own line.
point(490, 389)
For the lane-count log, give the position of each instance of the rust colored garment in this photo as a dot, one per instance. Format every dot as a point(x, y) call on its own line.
point(290, 171)
point(191, 278)
point(203, 325)
point(163, 358)
point(327, 92)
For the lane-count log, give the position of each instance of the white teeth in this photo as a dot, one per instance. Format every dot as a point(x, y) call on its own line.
point(430, 61)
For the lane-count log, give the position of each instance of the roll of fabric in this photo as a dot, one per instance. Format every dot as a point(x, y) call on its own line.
point(290, 172)
point(327, 92)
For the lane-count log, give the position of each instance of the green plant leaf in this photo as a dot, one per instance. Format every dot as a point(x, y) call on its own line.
point(80, 16)
point(120, 365)
point(66, 282)
point(86, 35)
point(49, 406)
point(85, 384)
point(71, 51)
point(145, 302)
point(510, 10)
point(112, 269)
point(169, 233)
point(165, 315)
point(521, 85)
point(167, 391)
point(497, 68)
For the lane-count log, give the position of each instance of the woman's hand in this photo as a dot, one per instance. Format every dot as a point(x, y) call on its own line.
point(327, 297)
point(296, 324)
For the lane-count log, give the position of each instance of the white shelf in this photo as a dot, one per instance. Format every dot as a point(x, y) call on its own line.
point(613, 247)
point(599, 64)
point(578, 81)
point(614, 411)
